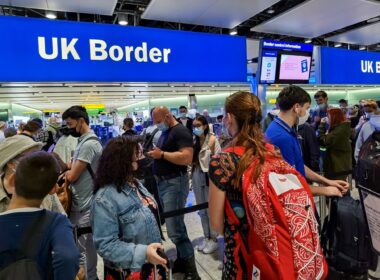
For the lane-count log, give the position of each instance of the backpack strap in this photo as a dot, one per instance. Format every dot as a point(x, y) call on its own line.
point(88, 166)
point(150, 139)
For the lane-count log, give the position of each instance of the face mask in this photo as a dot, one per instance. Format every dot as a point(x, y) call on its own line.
point(162, 126)
point(183, 115)
point(322, 106)
point(74, 133)
point(303, 120)
point(198, 131)
point(375, 122)
point(369, 115)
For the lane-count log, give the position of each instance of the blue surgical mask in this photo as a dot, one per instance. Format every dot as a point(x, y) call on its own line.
point(375, 122)
point(183, 115)
point(198, 131)
point(369, 115)
point(322, 106)
point(162, 126)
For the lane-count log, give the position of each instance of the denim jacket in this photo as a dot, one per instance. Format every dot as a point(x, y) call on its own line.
point(123, 227)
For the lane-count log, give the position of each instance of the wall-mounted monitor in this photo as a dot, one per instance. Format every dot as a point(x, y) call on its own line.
point(285, 62)
point(4, 115)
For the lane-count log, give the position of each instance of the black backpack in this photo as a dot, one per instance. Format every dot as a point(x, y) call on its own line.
point(346, 239)
point(50, 142)
point(368, 165)
point(19, 263)
point(148, 141)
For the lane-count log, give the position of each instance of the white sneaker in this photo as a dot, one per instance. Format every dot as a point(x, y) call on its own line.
point(202, 245)
point(211, 247)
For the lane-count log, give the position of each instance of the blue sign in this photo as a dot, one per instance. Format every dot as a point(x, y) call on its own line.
point(340, 66)
point(276, 45)
point(41, 50)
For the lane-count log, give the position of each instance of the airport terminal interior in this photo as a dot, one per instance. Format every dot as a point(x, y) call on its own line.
point(164, 91)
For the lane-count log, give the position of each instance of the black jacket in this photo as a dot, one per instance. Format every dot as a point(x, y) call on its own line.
point(189, 123)
point(309, 145)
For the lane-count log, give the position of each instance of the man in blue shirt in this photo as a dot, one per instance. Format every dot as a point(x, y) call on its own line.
point(294, 104)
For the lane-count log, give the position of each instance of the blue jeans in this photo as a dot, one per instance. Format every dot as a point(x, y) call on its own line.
point(173, 194)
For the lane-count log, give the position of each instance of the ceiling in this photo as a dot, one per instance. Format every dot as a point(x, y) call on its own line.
point(218, 13)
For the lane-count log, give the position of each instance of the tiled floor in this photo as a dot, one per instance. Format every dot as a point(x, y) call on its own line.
point(207, 265)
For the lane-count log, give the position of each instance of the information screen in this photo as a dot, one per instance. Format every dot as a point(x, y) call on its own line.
point(285, 62)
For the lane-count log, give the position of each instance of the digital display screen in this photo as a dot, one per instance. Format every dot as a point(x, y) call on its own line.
point(294, 67)
point(285, 62)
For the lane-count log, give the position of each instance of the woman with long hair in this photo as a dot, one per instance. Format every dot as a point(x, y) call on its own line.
point(205, 145)
point(261, 204)
point(337, 142)
point(125, 229)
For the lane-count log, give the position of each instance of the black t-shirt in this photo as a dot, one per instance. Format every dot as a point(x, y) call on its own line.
point(172, 140)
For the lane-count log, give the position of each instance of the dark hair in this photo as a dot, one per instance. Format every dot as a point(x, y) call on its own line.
point(320, 93)
point(115, 164)
point(39, 121)
point(128, 122)
point(151, 112)
point(219, 117)
point(36, 175)
point(246, 108)
point(343, 101)
point(32, 126)
point(9, 132)
point(76, 112)
point(182, 107)
point(197, 145)
point(291, 95)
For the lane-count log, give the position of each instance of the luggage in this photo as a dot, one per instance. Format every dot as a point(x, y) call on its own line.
point(346, 239)
point(368, 165)
point(283, 240)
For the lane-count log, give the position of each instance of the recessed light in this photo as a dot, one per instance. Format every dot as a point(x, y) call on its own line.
point(372, 20)
point(362, 48)
point(122, 19)
point(51, 14)
point(270, 11)
point(308, 41)
point(233, 32)
point(337, 45)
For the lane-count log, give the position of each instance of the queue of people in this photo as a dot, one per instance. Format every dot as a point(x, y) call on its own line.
point(256, 185)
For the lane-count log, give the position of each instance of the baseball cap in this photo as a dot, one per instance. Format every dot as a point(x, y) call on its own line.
point(13, 146)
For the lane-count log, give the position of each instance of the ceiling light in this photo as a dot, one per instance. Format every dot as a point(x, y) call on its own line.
point(337, 45)
point(233, 32)
point(122, 19)
point(372, 20)
point(51, 14)
point(362, 48)
point(270, 11)
point(308, 41)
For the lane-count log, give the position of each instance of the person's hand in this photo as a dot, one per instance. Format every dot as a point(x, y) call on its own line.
point(156, 153)
point(324, 120)
point(69, 164)
point(152, 256)
point(341, 185)
point(332, 191)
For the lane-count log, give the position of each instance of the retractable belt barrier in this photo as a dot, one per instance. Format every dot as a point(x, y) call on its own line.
point(86, 230)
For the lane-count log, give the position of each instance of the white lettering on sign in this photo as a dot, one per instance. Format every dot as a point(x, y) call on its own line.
point(66, 48)
point(367, 66)
point(378, 67)
point(99, 50)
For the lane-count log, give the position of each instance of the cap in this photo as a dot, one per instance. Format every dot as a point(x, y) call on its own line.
point(13, 146)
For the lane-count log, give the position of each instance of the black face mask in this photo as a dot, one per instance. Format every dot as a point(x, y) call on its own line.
point(74, 133)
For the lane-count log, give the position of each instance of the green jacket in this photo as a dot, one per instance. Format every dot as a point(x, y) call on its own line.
point(338, 149)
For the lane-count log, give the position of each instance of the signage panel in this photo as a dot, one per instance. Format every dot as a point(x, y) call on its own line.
point(41, 50)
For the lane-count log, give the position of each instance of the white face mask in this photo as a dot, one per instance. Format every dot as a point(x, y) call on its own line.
point(375, 122)
point(303, 120)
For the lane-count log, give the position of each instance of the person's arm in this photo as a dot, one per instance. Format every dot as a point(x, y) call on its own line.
point(342, 186)
point(65, 260)
point(313, 146)
point(182, 157)
point(105, 228)
point(323, 138)
point(77, 168)
point(216, 200)
point(211, 144)
point(358, 145)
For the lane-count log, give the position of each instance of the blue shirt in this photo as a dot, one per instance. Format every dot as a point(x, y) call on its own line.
point(285, 138)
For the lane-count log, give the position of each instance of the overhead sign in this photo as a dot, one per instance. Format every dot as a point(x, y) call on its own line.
point(41, 50)
point(268, 44)
point(340, 66)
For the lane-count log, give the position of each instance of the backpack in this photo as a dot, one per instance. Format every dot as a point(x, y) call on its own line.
point(368, 165)
point(346, 238)
point(148, 141)
point(283, 241)
point(50, 142)
point(20, 263)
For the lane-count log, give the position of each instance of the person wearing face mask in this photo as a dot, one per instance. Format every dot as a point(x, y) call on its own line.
point(369, 108)
point(337, 143)
point(85, 160)
point(367, 130)
point(174, 152)
point(205, 146)
point(184, 119)
point(294, 103)
point(321, 99)
point(123, 219)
